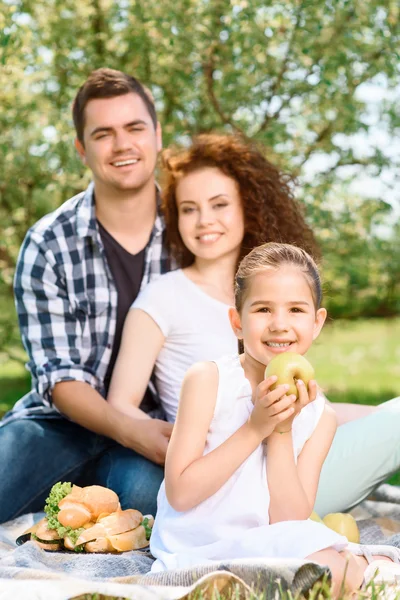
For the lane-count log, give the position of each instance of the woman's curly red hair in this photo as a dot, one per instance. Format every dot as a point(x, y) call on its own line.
point(271, 213)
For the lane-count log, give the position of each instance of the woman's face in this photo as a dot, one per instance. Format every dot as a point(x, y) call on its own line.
point(211, 221)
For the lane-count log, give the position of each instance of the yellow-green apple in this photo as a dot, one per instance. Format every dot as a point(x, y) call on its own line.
point(344, 524)
point(315, 517)
point(289, 367)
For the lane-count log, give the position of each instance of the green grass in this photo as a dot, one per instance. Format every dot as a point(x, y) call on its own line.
point(358, 361)
point(14, 382)
point(320, 591)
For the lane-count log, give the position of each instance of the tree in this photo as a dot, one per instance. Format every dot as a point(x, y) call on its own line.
point(287, 74)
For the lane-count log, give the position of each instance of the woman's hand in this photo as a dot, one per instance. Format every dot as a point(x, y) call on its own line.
point(271, 408)
point(148, 437)
point(305, 397)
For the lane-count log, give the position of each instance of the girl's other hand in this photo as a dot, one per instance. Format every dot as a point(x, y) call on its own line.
point(305, 397)
point(271, 408)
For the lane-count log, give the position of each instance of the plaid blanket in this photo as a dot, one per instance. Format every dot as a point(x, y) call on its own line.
point(29, 572)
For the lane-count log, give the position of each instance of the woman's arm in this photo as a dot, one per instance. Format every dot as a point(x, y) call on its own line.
point(292, 487)
point(84, 405)
point(141, 343)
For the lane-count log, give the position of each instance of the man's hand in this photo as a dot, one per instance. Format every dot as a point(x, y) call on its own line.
point(148, 437)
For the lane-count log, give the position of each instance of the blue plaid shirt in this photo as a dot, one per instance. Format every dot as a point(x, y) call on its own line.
point(66, 301)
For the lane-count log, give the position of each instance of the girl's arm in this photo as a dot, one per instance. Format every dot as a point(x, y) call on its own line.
point(190, 477)
point(293, 488)
point(141, 343)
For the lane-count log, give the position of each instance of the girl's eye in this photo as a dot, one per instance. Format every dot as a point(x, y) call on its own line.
point(295, 309)
point(264, 309)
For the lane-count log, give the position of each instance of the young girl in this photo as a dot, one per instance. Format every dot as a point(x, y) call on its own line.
point(244, 459)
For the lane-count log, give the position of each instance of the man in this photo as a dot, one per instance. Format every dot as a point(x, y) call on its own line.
point(78, 272)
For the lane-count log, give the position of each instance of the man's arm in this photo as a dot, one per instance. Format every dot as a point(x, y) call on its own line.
point(60, 358)
point(85, 406)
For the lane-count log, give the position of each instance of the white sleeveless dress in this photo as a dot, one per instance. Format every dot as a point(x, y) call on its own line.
point(234, 522)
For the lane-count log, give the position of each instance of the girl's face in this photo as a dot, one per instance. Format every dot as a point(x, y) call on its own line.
point(211, 221)
point(278, 315)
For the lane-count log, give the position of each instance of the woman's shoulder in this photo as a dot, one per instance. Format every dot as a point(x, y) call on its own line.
point(158, 288)
point(166, 280)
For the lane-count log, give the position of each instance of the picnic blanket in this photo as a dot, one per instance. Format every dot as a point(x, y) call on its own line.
point(29, 572)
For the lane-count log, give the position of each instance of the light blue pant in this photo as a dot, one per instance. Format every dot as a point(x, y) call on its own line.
point(364, 453)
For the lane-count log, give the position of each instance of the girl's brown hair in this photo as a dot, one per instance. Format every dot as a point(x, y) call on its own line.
point(273, 256)
point(270, 210)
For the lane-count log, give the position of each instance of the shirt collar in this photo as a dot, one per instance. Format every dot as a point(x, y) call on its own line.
point(86, 214)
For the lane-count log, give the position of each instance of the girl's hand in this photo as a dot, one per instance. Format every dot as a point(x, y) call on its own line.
point(271, 408)
point(305, 397)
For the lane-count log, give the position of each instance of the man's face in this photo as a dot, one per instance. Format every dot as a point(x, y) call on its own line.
point(120, 144)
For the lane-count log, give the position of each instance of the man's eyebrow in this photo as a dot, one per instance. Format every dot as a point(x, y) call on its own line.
point(106, 129)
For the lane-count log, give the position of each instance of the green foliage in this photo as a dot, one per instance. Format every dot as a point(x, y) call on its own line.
point(286, 74)
point(57, 493)
point(145, 524)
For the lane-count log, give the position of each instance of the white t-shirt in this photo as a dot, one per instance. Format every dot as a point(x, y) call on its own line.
point(196, 327)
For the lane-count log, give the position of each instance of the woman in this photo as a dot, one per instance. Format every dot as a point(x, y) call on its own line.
point(222, 198)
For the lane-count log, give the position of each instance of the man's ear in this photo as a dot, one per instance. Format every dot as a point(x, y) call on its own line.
point(236, 323)
point(81, 150)
point(159, 136)
point(320, 318)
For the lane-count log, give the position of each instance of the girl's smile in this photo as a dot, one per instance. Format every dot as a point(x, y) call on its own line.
point(278, 315)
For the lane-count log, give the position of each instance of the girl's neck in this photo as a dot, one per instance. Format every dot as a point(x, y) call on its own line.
point(253, 370)
point(215, 277)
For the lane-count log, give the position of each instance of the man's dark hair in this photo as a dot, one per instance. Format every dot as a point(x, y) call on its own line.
point(108, 83)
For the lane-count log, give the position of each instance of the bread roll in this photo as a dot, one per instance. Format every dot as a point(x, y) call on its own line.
point(73, 514)
point(99, 545)
point(43, 533)
point(118, 522)
point(130, 540)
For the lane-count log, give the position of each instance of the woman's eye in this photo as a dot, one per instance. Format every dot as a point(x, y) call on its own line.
point(221, 205)
point(187, 210)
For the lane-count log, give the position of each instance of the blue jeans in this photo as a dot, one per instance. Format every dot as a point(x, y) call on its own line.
point(36, 453)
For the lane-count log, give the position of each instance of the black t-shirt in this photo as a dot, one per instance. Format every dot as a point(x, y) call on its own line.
point(127, 271)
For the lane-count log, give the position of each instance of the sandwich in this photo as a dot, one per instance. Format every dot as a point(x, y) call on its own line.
point(90, 519)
